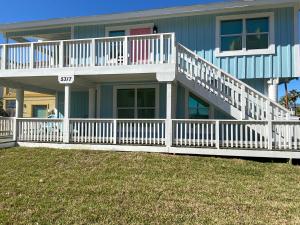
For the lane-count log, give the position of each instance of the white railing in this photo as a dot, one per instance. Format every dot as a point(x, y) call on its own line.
point(237, 134)
point(98, 131)
point(243, 134)
point(40, 130)
point(250, 102)
point(209, 134)
point(141, 132)
point(196, 133)
point(109, 51)
point(286, 135)
point(6, 127)
point(46, 55)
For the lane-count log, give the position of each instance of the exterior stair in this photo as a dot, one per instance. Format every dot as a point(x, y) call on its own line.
point(224, 91)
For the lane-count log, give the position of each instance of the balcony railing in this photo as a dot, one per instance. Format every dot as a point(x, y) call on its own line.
point(110, 51)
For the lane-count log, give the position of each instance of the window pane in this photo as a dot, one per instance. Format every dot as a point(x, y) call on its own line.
point(198, 109)
point(258, 41)
point(146, 113)
point(126, 113)
point(125, 98)
point(231, 27)
point(257, 25)
point(231, 43)
point(116, 33)
point(146, 97)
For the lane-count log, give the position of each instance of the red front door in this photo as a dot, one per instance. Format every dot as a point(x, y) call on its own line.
point(139, 47)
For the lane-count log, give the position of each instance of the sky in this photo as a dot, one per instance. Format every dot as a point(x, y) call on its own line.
point(28, 10)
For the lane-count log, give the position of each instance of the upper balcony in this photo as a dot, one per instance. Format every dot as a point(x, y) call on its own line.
point(110, 55)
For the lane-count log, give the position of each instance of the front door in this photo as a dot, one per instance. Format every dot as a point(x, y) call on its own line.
point(140, 47)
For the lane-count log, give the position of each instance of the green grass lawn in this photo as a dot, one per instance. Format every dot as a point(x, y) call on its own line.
point(42, 186)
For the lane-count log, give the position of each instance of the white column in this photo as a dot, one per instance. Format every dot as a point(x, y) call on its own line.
point(66, 135)
point(19, 103)
point(169, 132)
point(19, 111)
point(273, 89)
point(92, 102)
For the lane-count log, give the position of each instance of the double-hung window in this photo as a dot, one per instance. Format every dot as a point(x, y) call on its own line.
point(245, 35)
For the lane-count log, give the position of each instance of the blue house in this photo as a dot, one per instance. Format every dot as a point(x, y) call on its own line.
point(174, 79)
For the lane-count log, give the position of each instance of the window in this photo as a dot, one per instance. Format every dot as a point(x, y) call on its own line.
point(136, 103)
point(257, 33)
point(245, 35)
point(198, 109)
point(231, 35)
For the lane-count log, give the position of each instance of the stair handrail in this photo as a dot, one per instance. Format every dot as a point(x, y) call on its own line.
point(233, 78)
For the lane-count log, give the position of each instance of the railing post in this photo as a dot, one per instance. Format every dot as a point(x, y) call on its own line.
point(270, 135)
point(66, 121)
point(243, 102)
point(115, 131)
point(93, 52)
point(217, 134)
point(268, 111)
point(15, 129)
point(3, 57)
point(125, 51)
point(169, 113)
point(174, 49)
point(161, 49)
point(31, 54)
point(66, 133)
point(61, 54)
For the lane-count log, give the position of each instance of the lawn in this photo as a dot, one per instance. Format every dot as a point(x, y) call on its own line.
point(44, 186)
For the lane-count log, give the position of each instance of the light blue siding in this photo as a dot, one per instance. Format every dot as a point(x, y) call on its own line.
point(198, 34)
point(162, 101)
point(180, 111)
point(106, 99)
point(79, 104)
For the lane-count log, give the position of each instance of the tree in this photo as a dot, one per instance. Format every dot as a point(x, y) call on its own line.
point(290, 99)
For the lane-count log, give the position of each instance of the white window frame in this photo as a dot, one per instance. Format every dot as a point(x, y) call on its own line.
point(127, 28)
point(244, 52)
point(136, 86)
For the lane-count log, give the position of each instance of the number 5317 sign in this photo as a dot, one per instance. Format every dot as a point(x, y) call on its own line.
point(66, 79)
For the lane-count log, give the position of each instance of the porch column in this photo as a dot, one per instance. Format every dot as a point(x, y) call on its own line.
point(19, 110)
point(273, 89)
point(67, 103)
point(19, 102)
point(169, 133)
point(92, 102)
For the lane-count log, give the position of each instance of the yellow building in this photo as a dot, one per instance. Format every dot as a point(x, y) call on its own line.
point(35, 104)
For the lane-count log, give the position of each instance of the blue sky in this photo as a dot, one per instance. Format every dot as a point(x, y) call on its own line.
point(20, 10)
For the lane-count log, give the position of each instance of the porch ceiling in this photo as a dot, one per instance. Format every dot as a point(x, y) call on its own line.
point(50, 85)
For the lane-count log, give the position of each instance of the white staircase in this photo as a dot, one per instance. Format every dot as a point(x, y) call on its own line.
point(224, 91)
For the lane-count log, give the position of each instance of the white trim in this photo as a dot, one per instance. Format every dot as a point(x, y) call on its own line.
point(170, 150)
point(136, 86)
point(270, 51)
point(127, 28)
point(296, 40)
point(200, 9)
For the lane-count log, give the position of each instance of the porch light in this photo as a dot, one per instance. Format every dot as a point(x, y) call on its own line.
point(155, 30)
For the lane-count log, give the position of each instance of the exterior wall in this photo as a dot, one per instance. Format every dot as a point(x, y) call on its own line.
point(30, 99)
point(199, 34)
point(79, 104)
